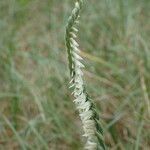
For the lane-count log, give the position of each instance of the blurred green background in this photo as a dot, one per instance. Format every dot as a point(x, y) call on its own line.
point(36, 107)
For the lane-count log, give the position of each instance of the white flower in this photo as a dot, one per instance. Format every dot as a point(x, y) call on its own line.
point(83, 103)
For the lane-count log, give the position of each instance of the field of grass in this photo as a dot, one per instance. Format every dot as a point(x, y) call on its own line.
point(36, 107)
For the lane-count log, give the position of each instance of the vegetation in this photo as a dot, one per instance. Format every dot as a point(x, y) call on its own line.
point(36, 108)
point(90, 120)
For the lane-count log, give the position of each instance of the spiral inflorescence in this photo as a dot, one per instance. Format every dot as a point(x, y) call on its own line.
point(90, 120)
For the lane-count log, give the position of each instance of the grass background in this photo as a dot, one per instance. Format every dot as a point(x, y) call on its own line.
point(36, 108)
